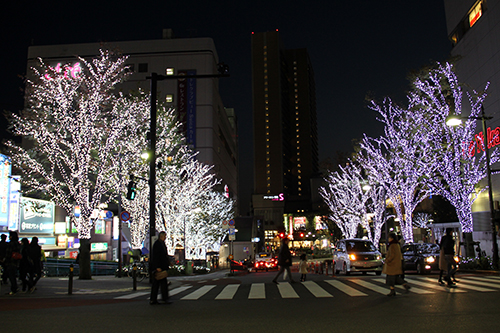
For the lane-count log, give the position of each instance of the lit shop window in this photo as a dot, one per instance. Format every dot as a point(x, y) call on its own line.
point(169, 98)
point(169, 71)
point(475, 13)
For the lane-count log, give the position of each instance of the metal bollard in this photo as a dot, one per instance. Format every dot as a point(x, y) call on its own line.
point(134, 277)
point(70, 281)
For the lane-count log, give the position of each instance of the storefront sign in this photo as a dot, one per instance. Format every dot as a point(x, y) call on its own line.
point(37, 216)
point(5, 169)
point(98, 247)
point(279, 197)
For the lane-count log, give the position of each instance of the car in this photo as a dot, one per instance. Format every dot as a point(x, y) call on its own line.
point(421, 257)
point(265, 260)
point(356, 255)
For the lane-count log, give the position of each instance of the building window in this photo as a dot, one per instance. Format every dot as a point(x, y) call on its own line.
point(169, 71)
point(475, 13)
point(143, 68)
point(169, 98)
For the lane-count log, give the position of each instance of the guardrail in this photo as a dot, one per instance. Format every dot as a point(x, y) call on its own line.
point(61, 267)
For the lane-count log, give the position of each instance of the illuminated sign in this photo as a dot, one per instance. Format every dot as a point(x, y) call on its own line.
point(5, 169)
point(98, 247)
point(15, 188)
point(477, 145)
point(475, 14)
point(69, 71)
point(37, 216)
point(279, 197)
point(299, 222)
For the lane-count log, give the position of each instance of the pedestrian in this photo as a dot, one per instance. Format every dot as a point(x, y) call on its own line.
point(159, 263)
point(393, 265)
point(284, 261)
point(448, 249)
point(303, 267)
point(12, 259)
point(36, 256)
point(26, 267)
point(3, 249)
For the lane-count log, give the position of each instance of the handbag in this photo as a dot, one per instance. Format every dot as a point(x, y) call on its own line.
point(161, 275)
point(16, 256)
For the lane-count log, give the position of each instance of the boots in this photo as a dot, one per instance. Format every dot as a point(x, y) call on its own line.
point(407, 288)
point(392, 293)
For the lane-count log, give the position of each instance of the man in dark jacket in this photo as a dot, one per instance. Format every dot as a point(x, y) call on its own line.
point(11, 263)
point(448, 247)
point(159, 262)
point(3, 250)
point(284, 261)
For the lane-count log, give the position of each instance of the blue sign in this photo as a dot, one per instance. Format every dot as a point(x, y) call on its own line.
point(5, 170)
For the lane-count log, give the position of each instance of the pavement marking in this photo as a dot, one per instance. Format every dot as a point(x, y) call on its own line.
point(257, 291)
point(134, 295)
point(464, 286)
point(413, 289)
point(345, 288)
point(228, 292)
point(371, 286)
point(315, 289)
point(433, 285)
point(287, 291)
point(100, 291)
point(484, 281)
point(198, 293)
point(178, 290)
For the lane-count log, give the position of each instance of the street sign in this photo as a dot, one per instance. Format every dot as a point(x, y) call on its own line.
point(231, 222)
point(231, 257)
point(232, 237)
point(225, 225)
point(232, 231)
point(125, 216)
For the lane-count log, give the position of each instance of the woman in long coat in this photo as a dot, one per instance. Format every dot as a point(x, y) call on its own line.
point(393, 266)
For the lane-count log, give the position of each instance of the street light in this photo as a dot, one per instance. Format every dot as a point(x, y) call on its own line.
point(455, 121)
point(223, 72)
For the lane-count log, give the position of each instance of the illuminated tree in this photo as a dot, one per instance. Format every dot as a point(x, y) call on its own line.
point(401, 159)
point(459, 167)
point(346, 199)
point(72, 123)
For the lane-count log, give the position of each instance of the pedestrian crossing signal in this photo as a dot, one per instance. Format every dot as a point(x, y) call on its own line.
point(131, 189)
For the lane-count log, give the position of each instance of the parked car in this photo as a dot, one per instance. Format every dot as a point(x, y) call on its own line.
point(356, 255)
point(421, 257)
point(265, 260)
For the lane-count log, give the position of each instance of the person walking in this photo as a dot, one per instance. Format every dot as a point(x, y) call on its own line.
point(448, 249)
point(393, 265)
point(160, 262)
point(26, 267)
point(12, 259)
point(303, 267)
point(35, 252)
point(284, 261)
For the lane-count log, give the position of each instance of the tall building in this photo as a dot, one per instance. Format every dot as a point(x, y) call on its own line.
point(474, 31)
point(285, 129)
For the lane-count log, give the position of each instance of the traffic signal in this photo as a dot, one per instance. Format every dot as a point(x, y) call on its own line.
point(282, 235)
point(131, 189)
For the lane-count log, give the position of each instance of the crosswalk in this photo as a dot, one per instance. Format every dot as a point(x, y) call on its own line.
point(353, 287)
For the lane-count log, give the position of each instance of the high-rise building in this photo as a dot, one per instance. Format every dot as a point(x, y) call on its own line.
point(474, 31)
point(285, 129)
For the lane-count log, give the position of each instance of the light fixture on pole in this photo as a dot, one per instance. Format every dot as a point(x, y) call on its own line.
point(455, 121)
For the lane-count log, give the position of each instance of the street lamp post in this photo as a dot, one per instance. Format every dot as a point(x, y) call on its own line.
point(454, 121)
point(223, 72)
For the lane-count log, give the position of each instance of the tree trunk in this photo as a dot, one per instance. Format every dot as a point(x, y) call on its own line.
point(84, 260)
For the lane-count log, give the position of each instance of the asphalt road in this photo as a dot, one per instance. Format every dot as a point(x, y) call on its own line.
point(252, 303)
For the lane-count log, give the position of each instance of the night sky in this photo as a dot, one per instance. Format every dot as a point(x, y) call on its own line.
point(356, 48)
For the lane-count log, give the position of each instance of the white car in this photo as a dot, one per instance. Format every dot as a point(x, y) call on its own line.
point(356, 255)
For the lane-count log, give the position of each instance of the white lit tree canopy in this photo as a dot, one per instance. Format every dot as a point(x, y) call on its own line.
point(71, 124)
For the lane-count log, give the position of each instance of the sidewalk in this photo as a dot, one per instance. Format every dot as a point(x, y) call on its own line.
point(58, 287)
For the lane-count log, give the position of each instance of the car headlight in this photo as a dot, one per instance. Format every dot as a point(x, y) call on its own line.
point(379, 257)
point(456, 259)
point(352, 257)
point(430, 260)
